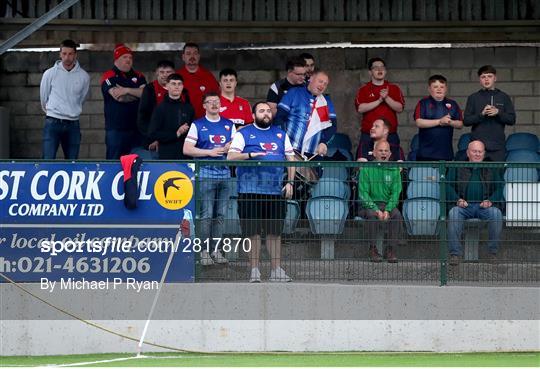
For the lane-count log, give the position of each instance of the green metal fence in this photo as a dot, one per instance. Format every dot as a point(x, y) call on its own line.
point(325, 238)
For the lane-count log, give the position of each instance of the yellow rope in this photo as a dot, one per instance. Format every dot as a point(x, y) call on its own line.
point(100, 327)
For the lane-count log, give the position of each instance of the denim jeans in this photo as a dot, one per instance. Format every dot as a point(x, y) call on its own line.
point(63, 132)
point(120, 143)
point(455, 226)
point(215, 195)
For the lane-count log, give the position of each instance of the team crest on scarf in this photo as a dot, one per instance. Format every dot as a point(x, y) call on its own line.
point(318, 121)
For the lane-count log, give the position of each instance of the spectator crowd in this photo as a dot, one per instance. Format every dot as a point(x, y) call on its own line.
point(187, 113)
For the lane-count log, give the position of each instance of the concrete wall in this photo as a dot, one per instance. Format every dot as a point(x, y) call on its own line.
point(518, 75)
point(321, 317)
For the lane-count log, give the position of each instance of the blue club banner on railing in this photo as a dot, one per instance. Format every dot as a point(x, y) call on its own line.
point(68, 220)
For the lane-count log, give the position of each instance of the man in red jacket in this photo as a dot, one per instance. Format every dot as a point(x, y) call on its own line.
point(197, 80)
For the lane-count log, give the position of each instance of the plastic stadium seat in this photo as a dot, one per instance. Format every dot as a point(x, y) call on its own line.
point(231, 220)
point(521, 175)
point(461, 155)
point(329, 187)
point(523, 156)
point(339, 173)
point(291, 219)
point(418, 189)
point(463, 142)
point(522, 141)
point(327, 215)
point(424, 174)
point(339, 154)
point(341, 141)
point(145, 154)
point(421, 216)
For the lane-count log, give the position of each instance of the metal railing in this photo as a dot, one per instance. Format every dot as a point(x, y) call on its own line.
point(327, 237)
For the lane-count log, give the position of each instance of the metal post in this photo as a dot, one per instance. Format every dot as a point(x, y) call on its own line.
point(443, 246)
point(37, 24)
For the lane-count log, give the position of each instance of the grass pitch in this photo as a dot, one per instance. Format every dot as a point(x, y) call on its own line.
point(527, 359)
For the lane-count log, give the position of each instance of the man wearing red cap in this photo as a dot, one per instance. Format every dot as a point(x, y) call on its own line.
point(122, 88)
point(198, 81)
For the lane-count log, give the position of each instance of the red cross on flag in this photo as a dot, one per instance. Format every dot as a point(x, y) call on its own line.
point(318, 121)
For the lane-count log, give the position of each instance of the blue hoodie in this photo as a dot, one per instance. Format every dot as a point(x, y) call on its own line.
point(63, 92)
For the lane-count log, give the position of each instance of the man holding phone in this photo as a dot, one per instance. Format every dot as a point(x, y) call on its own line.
point(488, 111)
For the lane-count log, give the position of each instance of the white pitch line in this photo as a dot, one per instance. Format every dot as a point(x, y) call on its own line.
point(93, 362)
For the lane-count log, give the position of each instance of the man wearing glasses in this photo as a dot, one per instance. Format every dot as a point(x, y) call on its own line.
point(379, 99)
point(296, 74)
point(209, 138)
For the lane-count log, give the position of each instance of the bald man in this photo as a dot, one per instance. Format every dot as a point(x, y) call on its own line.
point(379, 190)
point(475, 191)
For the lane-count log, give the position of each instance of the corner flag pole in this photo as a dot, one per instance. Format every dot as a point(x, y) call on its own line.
point(156, 297)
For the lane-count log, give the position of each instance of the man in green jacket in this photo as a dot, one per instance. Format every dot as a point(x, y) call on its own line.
point(379, 189)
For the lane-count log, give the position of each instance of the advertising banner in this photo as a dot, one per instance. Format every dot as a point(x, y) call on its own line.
point(68, 221)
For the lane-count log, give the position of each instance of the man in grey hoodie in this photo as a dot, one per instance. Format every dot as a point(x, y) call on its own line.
point(63, 89)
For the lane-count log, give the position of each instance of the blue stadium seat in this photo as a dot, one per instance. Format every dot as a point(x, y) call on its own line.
point(145, 154)
point(421, 216)
point(335, 152)
point(522, 141)
point(523, 156)
point(413, 148)
point(340, 140)
point(231, 221)
point(339, 173)
point(329, 187)
point(463, 142)
point(327, 215)
point(424, 174)
point(521, 175)
point(291, 219)
point(417, 189)
point(461, 155)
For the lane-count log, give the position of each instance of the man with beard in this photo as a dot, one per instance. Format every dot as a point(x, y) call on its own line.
point(63, 89)
point(379, 99)
point(308, 116)
point(378, 132)
point(261, 206)
point(197, 80)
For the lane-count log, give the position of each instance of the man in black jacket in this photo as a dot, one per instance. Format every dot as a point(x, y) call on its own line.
point(171, 120)
point(153, 94)
point(488, 111)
